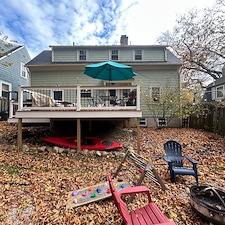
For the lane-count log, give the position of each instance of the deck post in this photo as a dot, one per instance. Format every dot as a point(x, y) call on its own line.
point(138, 98)
point(125, 123)
point(78, 135)
point(129, 124)
point(19, 133)
point(138, 135)
point(51, 124)
point(20, 98)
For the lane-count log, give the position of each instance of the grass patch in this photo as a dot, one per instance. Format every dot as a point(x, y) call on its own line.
point(46, 170)
point(13, 170)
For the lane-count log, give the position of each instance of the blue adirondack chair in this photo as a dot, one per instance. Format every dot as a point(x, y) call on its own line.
point(174, 158)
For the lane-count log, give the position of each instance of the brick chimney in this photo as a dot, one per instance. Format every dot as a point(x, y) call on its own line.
point(124, 40)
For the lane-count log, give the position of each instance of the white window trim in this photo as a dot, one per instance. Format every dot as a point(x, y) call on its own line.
point(151, 94)
point(143, 122)
point(221, 91)
point(160, 122)
point(6, 83)
point(22, 66)
point(78, 55)
point(91, 92)
point(142, 55)
point(110, 54)
point(52, 94)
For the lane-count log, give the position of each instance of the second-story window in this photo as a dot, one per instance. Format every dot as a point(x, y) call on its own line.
point(114, 54)
point(82, 55)
point(23, 72)
point(138, 54)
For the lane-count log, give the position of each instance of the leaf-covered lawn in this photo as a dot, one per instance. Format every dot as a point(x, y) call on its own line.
point(34, 185)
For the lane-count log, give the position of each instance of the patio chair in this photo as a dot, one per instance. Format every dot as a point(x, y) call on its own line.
point(175, 161)
point(150, 214)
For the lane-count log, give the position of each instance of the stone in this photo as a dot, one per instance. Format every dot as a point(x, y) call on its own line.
point(92, 152)
point(121, 154)
point(115, 154)
point(12, 147)
point(25, 148)
point(98, 153)
point(49, 149)
point(56, 149)
point(61, 150)
point(85, 151)
point(42, 148)
point(104, 153)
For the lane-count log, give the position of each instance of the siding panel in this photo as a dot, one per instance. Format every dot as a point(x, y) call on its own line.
point(98, 55)
point(63, 78)
point(126, 55)
point(154, 55)
point(68, 55)
point(11, 74)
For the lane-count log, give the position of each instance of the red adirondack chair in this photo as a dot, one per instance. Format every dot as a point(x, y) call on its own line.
point(148, 215)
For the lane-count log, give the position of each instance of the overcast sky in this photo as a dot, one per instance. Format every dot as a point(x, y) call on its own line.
point(40, 23)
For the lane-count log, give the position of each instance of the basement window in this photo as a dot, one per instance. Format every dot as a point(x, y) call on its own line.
point(143, 122)
point(161, 122)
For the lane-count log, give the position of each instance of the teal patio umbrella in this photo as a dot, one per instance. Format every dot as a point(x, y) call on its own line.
point(110, 71)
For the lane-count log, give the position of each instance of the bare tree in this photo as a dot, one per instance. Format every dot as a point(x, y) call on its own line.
point(5, 46)
point(163, 104)
point(198, 39)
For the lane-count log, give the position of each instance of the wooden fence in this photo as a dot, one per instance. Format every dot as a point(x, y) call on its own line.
point(211, 118)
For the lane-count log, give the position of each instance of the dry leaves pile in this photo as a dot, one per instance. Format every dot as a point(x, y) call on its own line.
point(34, 184)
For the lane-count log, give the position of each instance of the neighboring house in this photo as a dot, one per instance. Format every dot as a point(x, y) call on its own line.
point(61, 91)
point(13, 72)
point(216, 90)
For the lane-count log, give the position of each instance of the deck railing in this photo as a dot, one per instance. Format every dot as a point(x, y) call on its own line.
point(78, 98)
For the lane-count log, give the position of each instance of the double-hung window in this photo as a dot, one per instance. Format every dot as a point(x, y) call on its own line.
point(58, 95)
point(86, 93)
point(5, 90)
point(114, 55)
point(82, 55)
point(138, 54)
point(155, 94)
point(23, 71)
point(219, 92)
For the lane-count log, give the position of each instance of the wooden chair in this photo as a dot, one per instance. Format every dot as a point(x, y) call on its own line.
point(174, 158)
point(148, 215)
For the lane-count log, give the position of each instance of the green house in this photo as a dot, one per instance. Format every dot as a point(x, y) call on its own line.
point(60, 90)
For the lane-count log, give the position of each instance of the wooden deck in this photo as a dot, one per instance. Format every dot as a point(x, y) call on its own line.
point(43, 104)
